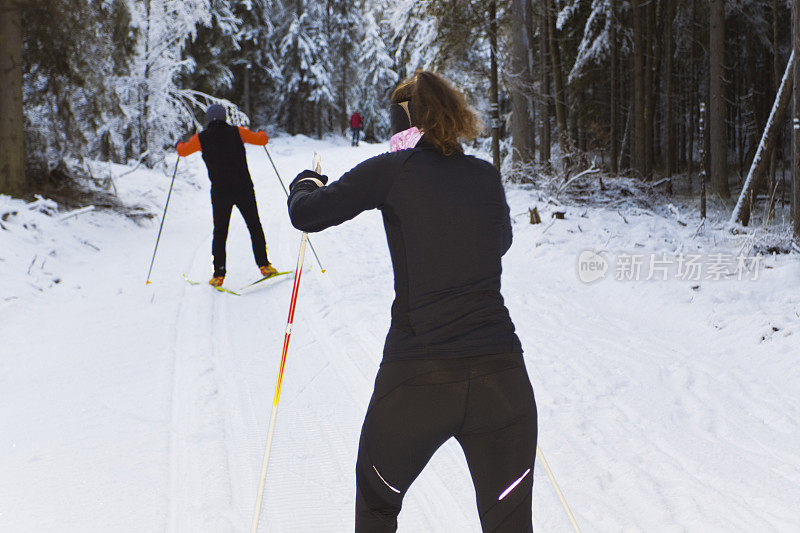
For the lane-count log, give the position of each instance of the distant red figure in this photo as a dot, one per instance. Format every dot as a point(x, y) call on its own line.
point(356, 123)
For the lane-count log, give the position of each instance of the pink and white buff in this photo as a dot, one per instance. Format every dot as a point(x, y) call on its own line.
point(405, 139)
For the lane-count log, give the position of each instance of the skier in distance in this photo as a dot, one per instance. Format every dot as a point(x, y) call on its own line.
point(452, 364)
point(222, 146)
point(356, 123)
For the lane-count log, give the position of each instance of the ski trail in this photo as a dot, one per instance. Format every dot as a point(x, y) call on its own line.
point(199, 485)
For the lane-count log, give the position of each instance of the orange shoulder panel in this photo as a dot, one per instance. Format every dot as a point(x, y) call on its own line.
point(248, 136)
point(188, 148)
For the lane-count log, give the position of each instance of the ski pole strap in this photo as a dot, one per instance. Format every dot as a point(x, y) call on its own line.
point(315, 180)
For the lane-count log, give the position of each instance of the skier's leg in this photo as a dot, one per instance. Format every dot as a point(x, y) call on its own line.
point(221, 206)
point(408, 419)
point(499, 442)
point(249, 210)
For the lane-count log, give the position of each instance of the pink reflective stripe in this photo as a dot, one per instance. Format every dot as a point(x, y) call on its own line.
point(384, 481)
point(513, 485)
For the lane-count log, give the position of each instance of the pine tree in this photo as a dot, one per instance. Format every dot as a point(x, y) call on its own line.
point(347, 72)
point(76, 56)
point(307, 89)
point(378, 83)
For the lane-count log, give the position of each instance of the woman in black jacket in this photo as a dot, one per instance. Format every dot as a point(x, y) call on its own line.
point(452, 364)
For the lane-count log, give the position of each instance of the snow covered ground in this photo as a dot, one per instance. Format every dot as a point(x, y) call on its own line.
point(664, 405)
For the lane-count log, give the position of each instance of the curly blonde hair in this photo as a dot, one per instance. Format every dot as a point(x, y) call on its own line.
point(439, 110)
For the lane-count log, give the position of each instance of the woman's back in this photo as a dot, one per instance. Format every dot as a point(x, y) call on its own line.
point(447, 225)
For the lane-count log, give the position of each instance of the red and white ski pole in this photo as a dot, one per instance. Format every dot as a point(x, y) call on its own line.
point(287, 336)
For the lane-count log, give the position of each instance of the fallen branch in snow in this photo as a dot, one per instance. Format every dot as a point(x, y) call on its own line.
point(138, 164)
point(623, 216)
point(741, 213)
point(76, 212)
point(674, 210)
point(659, 182)
point(43, 205)
point(592, 170)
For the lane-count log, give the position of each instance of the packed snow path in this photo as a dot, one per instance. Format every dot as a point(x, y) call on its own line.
point(133, 408)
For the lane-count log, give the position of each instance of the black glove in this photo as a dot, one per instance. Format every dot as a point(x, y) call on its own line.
point(310, 184)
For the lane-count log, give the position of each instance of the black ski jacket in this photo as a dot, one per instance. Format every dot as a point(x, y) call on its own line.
point(447, 225)
point(224, 155)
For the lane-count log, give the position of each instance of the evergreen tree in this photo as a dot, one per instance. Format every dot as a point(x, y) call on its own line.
point(347, 72)
point(379, 81)
point(76, 53)
point(307, 90)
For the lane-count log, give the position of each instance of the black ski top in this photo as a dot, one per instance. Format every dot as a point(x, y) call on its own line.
point(447, 225)
point(223, 152)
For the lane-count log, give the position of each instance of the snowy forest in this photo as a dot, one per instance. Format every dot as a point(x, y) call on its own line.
point(604, 281)
point(560, 83)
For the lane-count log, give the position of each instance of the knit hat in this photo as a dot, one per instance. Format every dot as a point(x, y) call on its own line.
point(215, 112)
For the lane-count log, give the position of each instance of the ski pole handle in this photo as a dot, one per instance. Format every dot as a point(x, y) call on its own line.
point(322, 268)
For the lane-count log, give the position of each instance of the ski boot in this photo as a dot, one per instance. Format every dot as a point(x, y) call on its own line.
point(216, 281)
point(267, 270)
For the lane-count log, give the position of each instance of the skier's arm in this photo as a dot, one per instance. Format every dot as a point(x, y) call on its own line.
point(260, 138)
point(313, 207)
point(188, 148)
point(507, 234)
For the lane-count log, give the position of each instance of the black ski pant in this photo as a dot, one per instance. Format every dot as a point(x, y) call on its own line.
point(356, 134)
point(222, 202)
point(485, 402)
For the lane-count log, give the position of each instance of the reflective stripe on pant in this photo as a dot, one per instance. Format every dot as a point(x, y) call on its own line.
point(222, 203)
point(485, 402)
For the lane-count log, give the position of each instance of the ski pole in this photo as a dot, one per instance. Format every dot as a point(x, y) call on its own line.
point(153, 260)
point(278, 385)
point(557, 489)
point(287, 196)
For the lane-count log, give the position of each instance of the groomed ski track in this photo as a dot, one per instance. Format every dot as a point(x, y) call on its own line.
point(133, 408)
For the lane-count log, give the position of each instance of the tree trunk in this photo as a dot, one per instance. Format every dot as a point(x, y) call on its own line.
point(650, 87)
point(692, 102)
point(702, 175)
point(718, 167)
point(776, 80)
point(246, 96)
point(544, 89)
point(494, 100)
point(669, 128)
point(796, 122)
point(12, 122)
point(639, 135)
point(520, 81)
point(558, 79)
point(741, 213)
point(613, 86)
point(530, 35)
